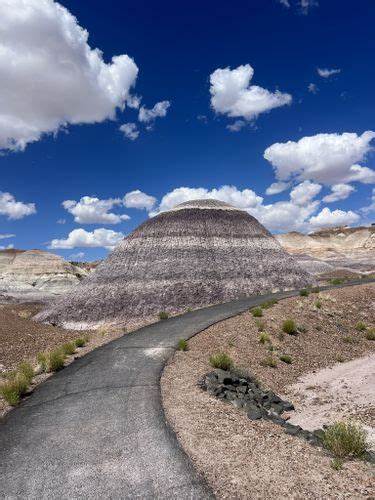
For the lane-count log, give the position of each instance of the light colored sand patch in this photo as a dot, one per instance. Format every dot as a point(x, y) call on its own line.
point(156, 352)
point(347, 390)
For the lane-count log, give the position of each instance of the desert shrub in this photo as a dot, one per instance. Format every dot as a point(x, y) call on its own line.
point(269, 361)
point(24, 314)
point(25, 369)
point(263, 338)
point(163, 315)
point(337, 281)
point(318, 304)
point(256, 312)
point(81, 341)
point(348, 339)
point(340, 358)
point(304, 292)
point(360, 326)
point(337, 463)
point(55, 361)
point(315, 289)
point(269, 303)
point(68, 348)
point(286, 359)
point(345, 439)
point(370, 334)
point(14, 388)
point(42, 358)
point(261, 325)
point(289, 326)
point(182, 345)
point(221, 360)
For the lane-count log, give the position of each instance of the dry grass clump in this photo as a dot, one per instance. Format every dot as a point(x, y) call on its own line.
point(221, 360)
point(51, 361)
point(68, 348)
point(163, 315)
point(261, 325)
point(315, 289)
point(318, 304)
point(269, 303)
point(269, 361)
point(24, 314)
point(348, 339)
point(256, 312)
point(361, 326)
point(17, 383)
point(370, 334)
point(345, 439)
point(264, 337)
point(304, 292)
point(286, 359)
point(182, 345)
point(81, 341)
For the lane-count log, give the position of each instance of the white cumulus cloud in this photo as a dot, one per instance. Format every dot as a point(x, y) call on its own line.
point(92, 210)
point(312, 88)
point(158, 111)
point(339, 192)
point(304, 192)
point(232, 94)
point(236, 126)
point(80, 238)
point(325, 158)
point(326, 73)
point(276, 188)
point(50, 76)
point(130, 130)
point(138, 199)
point(14, 209)
point(6, 236)
point(328, 218)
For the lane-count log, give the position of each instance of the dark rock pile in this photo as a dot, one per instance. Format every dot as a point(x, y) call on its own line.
point(245, 393)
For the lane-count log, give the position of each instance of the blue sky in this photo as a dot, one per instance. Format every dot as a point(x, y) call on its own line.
point(249, 63)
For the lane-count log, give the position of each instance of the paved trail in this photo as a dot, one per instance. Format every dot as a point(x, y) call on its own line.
point(97, 428)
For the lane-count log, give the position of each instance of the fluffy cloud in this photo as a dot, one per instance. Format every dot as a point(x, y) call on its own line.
point(277, 187)
point(91, 210)
point(306, 5)
point(232, 94)
point(130, 131)
point(304, 193)
point(230, 194)
point(370, 208)
point(285, 3)
point(138, 199)
point(14, 209)
point(158, 111)
point(8, 247)
point(80, 238)
point(326, 158)
point(339, 192)
point(326, 73)
point(50, 76)
point(312, 88)
point(236, 126)
point(6, 236)
point(76, 256)
point(328, 218)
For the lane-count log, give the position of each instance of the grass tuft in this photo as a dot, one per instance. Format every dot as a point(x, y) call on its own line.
point(24, 314)
point(361, 326)
point(318, 304)
point(348, 339)
point(289, 326)
point(269, 303)
point(81, 341)
point(370, 334)
point(221, 360)
point(163, 315)
point(345, 439)
point(68, 348)
point(263, 338)
point(286, 359)
point(340, 358)
point(25, 369)
point(55, 361)
point(337, 281)
point(269, 361)
point(182, 345)
point(14, 388)
point(261, 325)
point(304, 292)
point(315, 289)
point(256, 312)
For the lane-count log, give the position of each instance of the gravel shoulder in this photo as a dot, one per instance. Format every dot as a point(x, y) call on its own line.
point(244, 459)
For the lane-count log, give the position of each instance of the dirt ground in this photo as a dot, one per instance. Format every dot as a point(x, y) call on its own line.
point(245, 459)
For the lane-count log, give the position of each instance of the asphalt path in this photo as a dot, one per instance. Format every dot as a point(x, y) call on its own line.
point(97, 428)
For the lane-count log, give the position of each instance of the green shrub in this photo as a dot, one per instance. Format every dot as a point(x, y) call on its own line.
point(286, 359)
point(315, 289)
point(348, 339)
point(269, 303)
point(304, 292)
point(345, 439)
point(340, 358)
point(289, 326)
point(370, 334)
point(222, 361)
point(318, 304)
point(263, 338)
point(182, 345)
point(269, 361)
point(25, 369)
point(256, 312)
point(163, 315)
point(55, 361)
point(337, 281)
point(261, 325)
point(13, 389)
point(68, 348)
point(361, 326)
point(80, 342)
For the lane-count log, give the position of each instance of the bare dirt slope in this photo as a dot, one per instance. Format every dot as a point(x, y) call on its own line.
point(244, 459)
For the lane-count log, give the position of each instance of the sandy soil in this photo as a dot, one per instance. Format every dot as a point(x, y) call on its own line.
point(245, 459)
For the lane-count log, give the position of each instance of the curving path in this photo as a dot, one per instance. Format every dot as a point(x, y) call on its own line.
point(97, 428)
